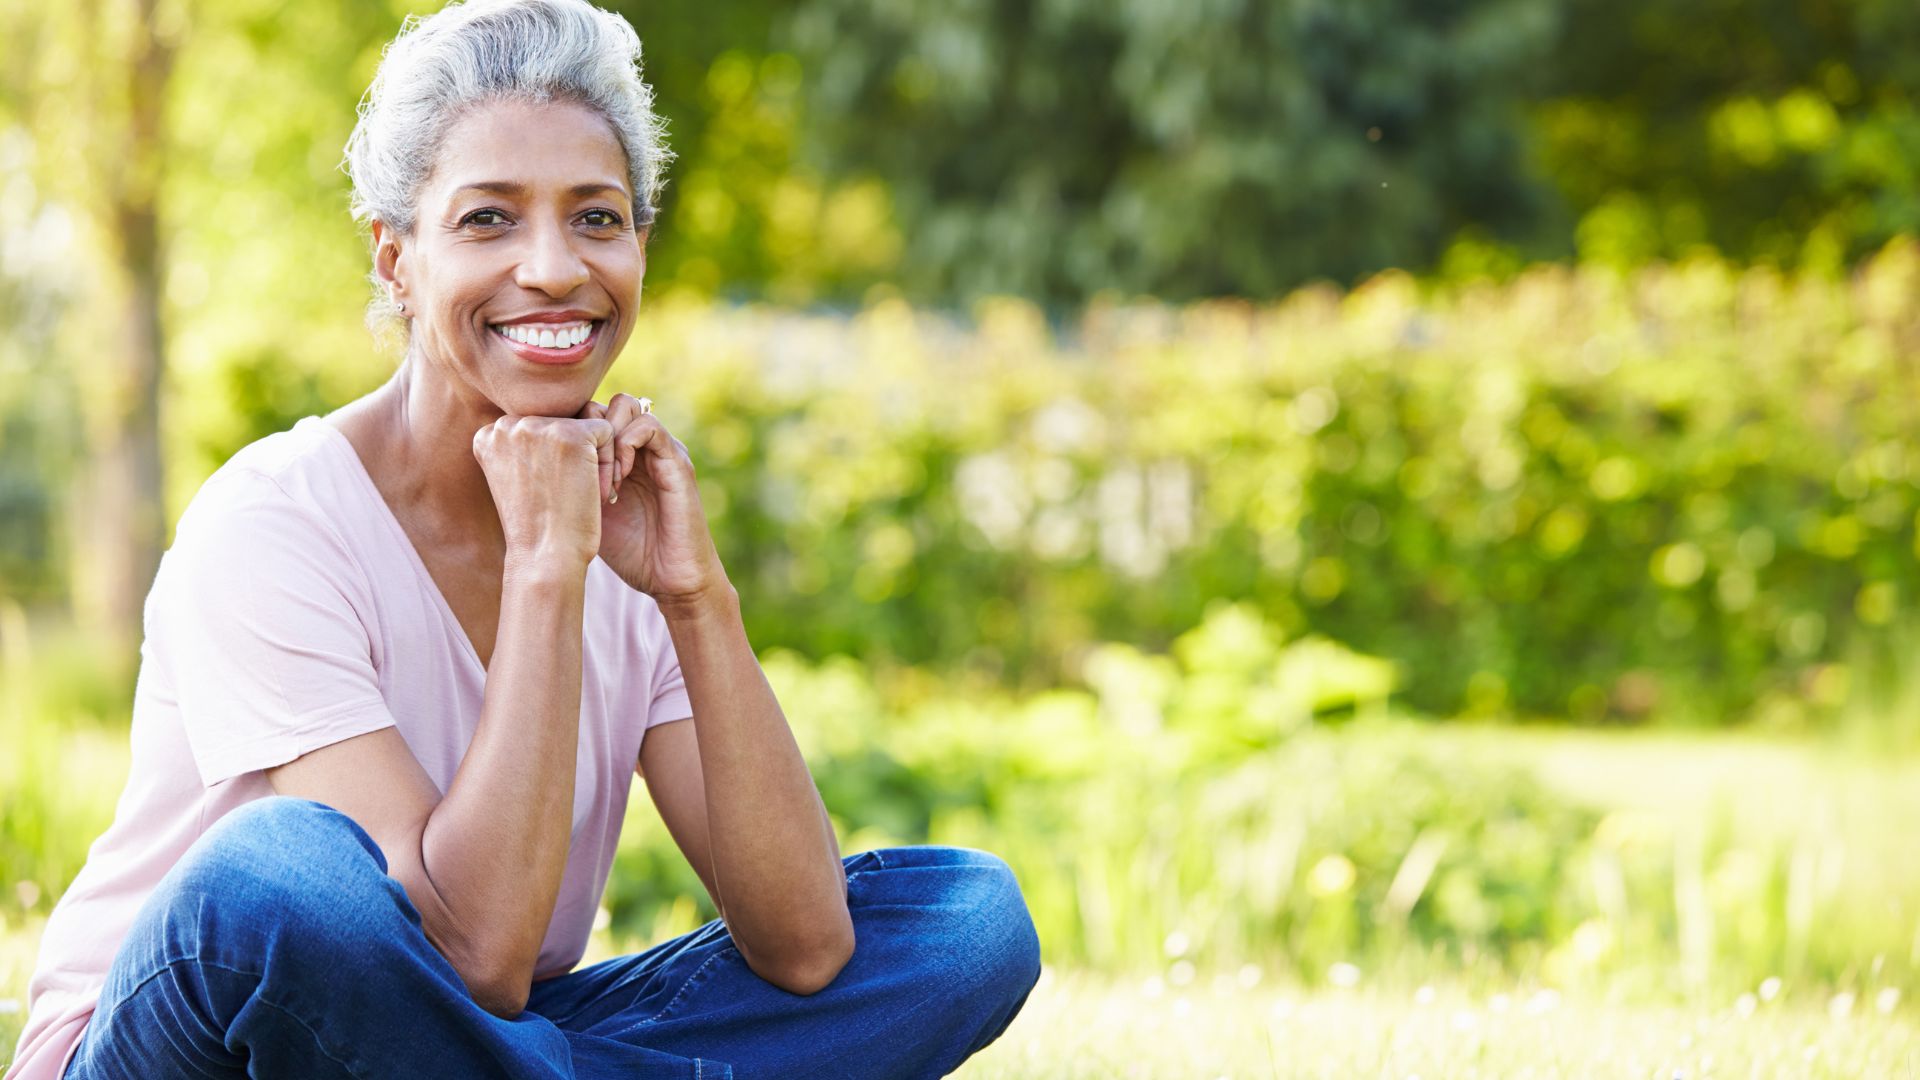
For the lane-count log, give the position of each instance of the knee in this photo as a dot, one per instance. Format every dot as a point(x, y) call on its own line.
point(280, 862)
point(983, 929)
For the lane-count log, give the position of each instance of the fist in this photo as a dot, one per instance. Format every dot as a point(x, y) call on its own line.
point(544, 474)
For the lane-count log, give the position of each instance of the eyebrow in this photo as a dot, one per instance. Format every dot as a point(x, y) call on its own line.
point(508, 187)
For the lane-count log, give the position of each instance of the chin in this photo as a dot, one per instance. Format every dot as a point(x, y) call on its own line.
point(556, 399)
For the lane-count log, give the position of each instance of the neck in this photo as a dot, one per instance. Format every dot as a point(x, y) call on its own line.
point(427, 425)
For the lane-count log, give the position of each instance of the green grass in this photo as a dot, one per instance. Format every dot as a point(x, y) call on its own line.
point(1087, 1026)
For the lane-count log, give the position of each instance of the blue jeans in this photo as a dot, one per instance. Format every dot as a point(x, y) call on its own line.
point(279, 947)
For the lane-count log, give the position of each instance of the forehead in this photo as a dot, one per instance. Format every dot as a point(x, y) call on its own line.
point(544, 147)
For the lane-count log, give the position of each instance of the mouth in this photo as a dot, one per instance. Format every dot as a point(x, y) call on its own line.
point(551, 343)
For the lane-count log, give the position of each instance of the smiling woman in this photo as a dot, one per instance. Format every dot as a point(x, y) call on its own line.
point(404, 661)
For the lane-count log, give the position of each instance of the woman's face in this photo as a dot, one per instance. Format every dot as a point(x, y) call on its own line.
point(524, 231)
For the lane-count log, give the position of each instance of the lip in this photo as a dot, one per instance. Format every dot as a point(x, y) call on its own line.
point(569, 315)
point(571, 355)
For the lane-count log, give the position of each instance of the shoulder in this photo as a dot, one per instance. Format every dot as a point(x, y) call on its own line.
point(277, 500)
point(273, 476)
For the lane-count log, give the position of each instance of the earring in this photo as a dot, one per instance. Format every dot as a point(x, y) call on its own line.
point(403, 307)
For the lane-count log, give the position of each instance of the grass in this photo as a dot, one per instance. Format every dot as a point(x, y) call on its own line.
point(1087, 1026)
point(1233, 1024)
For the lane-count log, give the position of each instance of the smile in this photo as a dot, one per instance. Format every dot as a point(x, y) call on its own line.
point(550, 343)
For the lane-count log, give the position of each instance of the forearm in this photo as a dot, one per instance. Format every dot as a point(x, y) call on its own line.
point(496, 846)
point(776, 864)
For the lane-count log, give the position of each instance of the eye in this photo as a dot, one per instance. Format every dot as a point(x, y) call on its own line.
point(612, 219)
point(474, 217)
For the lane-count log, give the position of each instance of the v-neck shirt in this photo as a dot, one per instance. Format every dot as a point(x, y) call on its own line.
point(293, 611)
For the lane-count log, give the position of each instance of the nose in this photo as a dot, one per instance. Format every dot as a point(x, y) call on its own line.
point(551, 264)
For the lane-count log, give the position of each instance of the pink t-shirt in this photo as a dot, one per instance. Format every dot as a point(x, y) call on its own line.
point(292, 611)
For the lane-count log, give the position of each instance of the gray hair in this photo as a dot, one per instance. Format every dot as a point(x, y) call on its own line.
point(440, 66)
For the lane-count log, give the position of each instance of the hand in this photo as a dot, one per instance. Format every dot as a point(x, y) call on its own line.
point(542, 471)
point(653, 532)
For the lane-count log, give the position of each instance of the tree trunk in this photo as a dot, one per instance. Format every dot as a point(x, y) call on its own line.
point(123, 526)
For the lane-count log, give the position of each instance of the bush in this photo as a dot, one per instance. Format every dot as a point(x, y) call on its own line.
point(1681, 493)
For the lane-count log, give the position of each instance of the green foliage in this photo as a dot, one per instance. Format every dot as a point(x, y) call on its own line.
point(1058, 150)
point(1772, 130)
point(1683, 495)
point(1201, 808)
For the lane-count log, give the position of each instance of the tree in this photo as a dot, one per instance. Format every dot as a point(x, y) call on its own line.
point(97, 82)
point(1057, 148)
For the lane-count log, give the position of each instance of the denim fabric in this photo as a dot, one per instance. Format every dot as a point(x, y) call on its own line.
point(278, 947)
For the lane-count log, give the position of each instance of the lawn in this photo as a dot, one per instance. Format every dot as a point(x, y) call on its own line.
point(1084, 1026)
point(1237, 1024)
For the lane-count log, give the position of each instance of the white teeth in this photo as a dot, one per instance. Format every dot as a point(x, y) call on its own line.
point(565, 337)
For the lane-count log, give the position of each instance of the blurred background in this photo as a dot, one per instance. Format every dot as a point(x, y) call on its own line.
point(1388, 508)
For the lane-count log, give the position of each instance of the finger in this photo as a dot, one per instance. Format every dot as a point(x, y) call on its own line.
point(646, 435)
point(600, 434)
point(622, 410)
point(593, 410)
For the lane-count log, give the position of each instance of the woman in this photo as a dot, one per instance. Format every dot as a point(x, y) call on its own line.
point(403, 661)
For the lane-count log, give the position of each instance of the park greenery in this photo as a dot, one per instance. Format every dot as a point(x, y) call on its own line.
point(1394, 516)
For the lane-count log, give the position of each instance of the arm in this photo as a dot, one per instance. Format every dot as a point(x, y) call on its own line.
point(671, 765)
point(485, 882)
point(776, 866)
point(772, 863)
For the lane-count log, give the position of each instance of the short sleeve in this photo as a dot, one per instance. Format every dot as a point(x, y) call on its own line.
point(263, 623)
point(668, 701)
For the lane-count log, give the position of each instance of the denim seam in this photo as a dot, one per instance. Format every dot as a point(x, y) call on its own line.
point(688, 985)
point(319, 1044)
point(168, 965)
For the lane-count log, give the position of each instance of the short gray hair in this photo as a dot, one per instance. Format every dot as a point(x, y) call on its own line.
point(440, 66)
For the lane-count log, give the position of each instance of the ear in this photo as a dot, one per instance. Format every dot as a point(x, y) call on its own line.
point(389, 259)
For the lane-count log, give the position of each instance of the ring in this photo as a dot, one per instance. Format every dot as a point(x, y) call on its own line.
point(646, 406)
